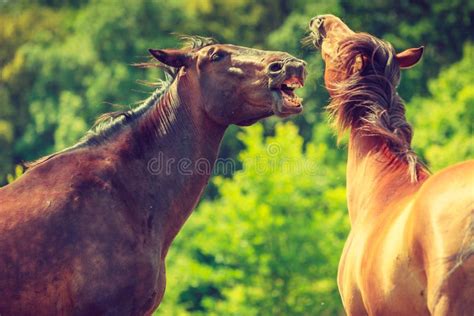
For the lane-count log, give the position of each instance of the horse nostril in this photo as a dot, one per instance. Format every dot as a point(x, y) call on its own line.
point(296, 67)
point(316, 21)
point(319, 21)
point(275, 67)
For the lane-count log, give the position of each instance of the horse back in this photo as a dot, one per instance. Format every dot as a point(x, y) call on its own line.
point(69, 243)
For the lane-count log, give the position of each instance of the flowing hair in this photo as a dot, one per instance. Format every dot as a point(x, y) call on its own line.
point(367, 101)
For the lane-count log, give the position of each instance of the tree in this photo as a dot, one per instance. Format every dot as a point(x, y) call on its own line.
point(15, 80)
point(443, 121)
point(77, 74)
point(441, 26)
point(269, 244)
point(267, 238)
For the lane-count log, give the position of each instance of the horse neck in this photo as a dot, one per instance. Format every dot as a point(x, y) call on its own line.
point(173, 149)
point(376, 178)
point(177, 126)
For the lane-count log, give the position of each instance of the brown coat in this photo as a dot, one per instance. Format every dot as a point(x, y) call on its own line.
point(86, 231)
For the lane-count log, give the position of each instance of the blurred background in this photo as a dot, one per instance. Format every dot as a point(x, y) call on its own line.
point(264, 240)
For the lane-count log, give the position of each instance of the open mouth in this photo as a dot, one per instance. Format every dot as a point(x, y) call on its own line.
point(288, 88)
point(286, 101)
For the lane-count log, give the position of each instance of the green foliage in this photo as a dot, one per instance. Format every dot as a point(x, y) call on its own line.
point(271, 241)
point(15, 81)
point(77, 74)
point(441, 26)
point(17, 173)
point(444, 120)
point(266, 240)
point(243, 22)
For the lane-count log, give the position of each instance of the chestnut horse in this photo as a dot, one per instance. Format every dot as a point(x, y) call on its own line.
point(86, 231)
point(410, 248)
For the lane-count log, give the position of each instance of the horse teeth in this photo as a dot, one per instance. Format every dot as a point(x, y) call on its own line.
point(294, 85)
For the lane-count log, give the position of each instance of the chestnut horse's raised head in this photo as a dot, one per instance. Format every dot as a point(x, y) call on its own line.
point(423, 225)
point(362, 74)
point(238, 85)
point(348, 54)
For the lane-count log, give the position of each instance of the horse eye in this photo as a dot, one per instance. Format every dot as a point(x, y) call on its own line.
point(217, 56)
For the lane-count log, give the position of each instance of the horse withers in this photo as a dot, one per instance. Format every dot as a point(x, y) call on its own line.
point(85, 231)
point(411, 245)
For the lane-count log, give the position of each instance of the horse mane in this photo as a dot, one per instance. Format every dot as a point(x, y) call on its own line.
point(367, 101)
point(111, 123)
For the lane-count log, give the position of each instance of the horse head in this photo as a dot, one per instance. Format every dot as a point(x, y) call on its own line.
point(238, 85)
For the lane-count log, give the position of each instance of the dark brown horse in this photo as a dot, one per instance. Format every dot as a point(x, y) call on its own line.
point(411, 246)
point(86, 231)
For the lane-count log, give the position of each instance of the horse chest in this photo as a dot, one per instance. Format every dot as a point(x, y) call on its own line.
point(375, 278)
point(347, 279)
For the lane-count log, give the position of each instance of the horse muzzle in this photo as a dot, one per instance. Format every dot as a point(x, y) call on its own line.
point(318, 32)
point(286, 76)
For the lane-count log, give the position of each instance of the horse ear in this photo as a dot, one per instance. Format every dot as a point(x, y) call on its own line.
point(359, 64)
point(410, 57)
point(172, 57)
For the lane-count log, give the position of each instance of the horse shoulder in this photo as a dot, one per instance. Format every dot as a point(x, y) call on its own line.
point(446, 200)
point(445, 221)
point(347, 278)
point(452, 184)
point(67, 226)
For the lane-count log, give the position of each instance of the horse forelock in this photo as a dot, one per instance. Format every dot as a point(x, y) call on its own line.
point(367, 101)
point(196, 42)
